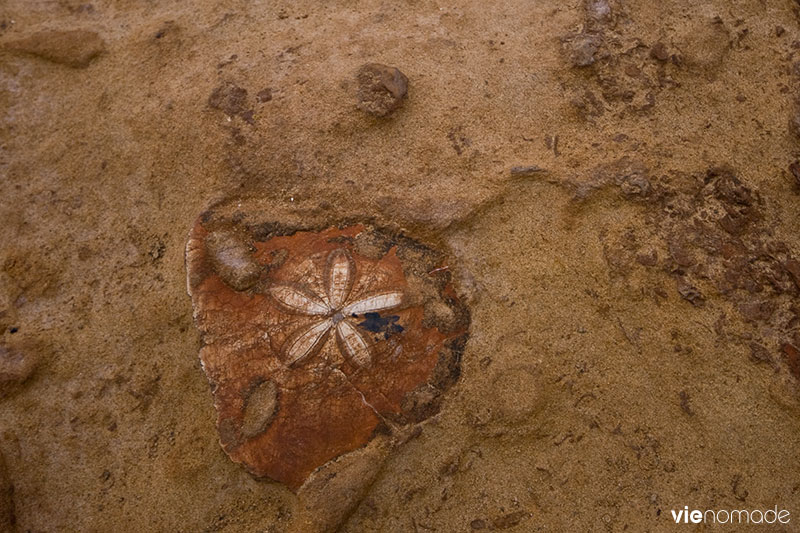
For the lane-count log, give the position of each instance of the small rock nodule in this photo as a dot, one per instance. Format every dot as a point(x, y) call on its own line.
point(381, 89)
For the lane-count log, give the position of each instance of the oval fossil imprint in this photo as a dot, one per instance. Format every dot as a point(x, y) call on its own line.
point(316, 340)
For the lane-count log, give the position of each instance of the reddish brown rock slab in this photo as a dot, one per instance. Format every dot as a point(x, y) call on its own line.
point(338, 336)
point(74, 48)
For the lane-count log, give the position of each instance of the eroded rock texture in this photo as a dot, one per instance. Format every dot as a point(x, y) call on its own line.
point(73, 48)
point(7, 519)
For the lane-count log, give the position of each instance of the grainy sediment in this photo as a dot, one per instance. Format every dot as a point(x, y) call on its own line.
point(634, 343)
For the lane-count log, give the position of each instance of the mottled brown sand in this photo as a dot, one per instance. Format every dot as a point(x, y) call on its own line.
point(634, 338)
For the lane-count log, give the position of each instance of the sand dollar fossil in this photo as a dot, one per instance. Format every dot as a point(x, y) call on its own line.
point(316, 339)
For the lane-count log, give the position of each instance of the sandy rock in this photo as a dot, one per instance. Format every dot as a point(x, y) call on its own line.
point(794, 121)
point(331, 494)
point(526, 171)
point(571, 383)
point(519, 398)
point(16, 366)
point(581, 48)
point(659, 52)
point(74, 48)
point(794, 168)
point(792, 356)
point(792, 266)
point(428, 212)
point(381, 89)
point(690, 293)
point(232, 100)
point(597, 10)
point(7, 519)
point(704, 43)
point(8, 293)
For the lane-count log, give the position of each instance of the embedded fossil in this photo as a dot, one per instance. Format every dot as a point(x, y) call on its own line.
point(338, 280)
point(325, 339)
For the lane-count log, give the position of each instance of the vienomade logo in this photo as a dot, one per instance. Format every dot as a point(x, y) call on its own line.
point(733, 516)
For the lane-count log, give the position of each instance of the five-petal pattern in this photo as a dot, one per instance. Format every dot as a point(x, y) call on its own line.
point(333, 310)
